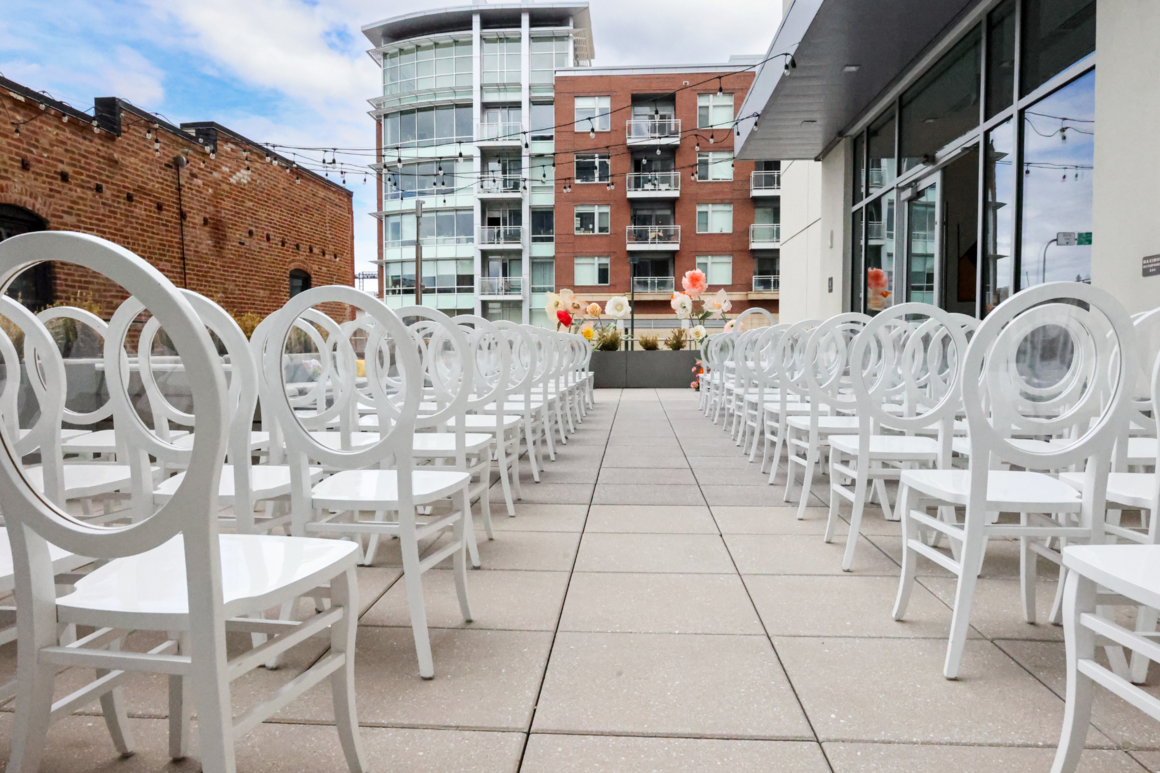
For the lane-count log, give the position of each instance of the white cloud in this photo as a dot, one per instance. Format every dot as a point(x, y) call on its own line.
point(133, 77)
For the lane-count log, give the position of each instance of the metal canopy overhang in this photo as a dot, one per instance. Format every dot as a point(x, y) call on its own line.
point(803, 113)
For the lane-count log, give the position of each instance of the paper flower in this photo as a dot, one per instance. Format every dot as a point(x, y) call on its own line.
point(313, 368)
point(694, 282)
point(564, 318)
point(552, 304)
point(876, 279)
point(570, 302)
point(593, 310)
point(698, 333)
point(693, 385)
point(617, 307)
point(682, 305)
point(588, 333)
point(718, 304)
point(729, 325)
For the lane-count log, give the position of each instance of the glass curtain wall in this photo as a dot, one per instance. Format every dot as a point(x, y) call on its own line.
point(1010, 104)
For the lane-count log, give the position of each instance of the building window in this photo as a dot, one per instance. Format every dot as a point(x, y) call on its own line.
point(547, 54)
point(1056, 35)
point(543, 225)
point(501, 61)
point(428, 178)
point(714, 218)
point(430, 66)
point(299, 282)
point(592, 114)
point(592, 219)
point(943, 105)
point(592, 168)
point(443, 226)
point(590, 272)
point(543, 120)
point(718, 268)
point(543, 171)
point(714, 110)
point(715, 166)
point(427, 127)
point(543, 275)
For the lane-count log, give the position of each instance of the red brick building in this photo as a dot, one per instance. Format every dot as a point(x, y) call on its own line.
point(214, 211)
point(647, 188)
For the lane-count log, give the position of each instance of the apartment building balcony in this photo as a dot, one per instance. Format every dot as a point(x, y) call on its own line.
point(500, 287)
point(505, 237)
point(653, 237)
point(660, 286)
point(653, 185)
point(505, 186)
point(766, 283)
point(763, 236)
point(765, 184)
point(653, 131)
point(504, 134)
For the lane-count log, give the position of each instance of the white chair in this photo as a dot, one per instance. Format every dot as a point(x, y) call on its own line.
point(826, 369)
point(788, 359)
point(169, 571)
point(904, 377)
point(362, 483)
point(1008, 375)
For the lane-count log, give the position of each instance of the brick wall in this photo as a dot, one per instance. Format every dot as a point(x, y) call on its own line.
point(620, 88)
point(244, 230)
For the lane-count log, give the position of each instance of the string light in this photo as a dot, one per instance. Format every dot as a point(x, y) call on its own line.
point(720, 87)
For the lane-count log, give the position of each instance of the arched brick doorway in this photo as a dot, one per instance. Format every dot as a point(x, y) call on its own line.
point(33, 288)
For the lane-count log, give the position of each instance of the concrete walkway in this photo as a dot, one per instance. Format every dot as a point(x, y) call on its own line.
point(654, 606)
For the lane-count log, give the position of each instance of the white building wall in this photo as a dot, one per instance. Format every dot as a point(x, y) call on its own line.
point(803, 274)
point(1126, 181)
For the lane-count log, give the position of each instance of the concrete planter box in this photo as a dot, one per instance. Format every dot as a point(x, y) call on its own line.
point(661, 369)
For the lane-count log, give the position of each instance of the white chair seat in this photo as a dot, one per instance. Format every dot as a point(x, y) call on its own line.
point(379, 489)
point(1131, 489)
point(475, 423)
point(259, 441)
point(443, 443)
point(1007, 490)
point(85, 480)
point(958, 429)
point(102, 441)
point(266, 482)
point(333, 439)
point(791, 408)
point(827, 425)
point(148, 590)
point(62, 561)
point(1130, 570)
point(510, 406)
point(65, 434)
point(900, 448)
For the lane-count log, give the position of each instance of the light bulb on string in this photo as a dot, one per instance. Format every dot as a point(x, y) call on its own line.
point(697, 148)
point(658, 151)
point(720, 88)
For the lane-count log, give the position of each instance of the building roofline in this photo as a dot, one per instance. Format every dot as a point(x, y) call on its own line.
point(380, 32)
point(655, 69)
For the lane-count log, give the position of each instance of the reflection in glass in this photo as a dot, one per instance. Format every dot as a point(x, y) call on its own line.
point(942, 105)
point(856, 262)
point(1001, 57)
point(1058, 155)
point(879, 253)
point(859, 167)
point(922, 222)
point(1056, 35)
point(999, 192)
point(881, 152)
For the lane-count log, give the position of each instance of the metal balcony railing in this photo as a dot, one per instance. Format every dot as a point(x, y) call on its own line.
point(875, 230)
point(764, 233)
point(654, 181)
point(765, 181)
point(653, 284)
point(654, 234)
point(501, 234)
point(654, 129)
point(507, 131)
point(766, 283)
point(499, 183)
point(500, 285)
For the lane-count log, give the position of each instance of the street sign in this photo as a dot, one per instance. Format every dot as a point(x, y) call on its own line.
point(1065, 238)
point(1084, 238)
point(1151, 265)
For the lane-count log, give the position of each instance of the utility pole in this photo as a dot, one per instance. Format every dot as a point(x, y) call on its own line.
point(418, 253)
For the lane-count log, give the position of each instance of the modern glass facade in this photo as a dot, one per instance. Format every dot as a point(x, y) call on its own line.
point(976, 180)
point(467, 121)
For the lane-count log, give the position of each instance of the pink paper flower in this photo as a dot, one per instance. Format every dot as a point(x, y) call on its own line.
point(876, 279)
point(694, 283)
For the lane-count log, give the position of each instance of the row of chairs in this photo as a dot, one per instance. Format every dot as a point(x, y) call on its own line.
point(1037, 424)
point(184, 520)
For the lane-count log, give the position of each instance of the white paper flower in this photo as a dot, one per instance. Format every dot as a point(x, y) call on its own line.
point(552, 304)
point(617, 307)
point(682, 305)
point(698, 332)
point(718, 304)
point(571, 303)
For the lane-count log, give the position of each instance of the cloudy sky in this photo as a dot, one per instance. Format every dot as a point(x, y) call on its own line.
point(296, 72)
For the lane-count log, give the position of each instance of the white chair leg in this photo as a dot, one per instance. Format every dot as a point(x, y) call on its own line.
point(413, 579)
point(1028, 564)
point(180, 706)
point(1146, 618)
point(116, 720)
point(807, 481)
point(33, 707)
point(504, 474)
point(909, 558)
point(469, 525)
point(459, 564)
point(973, 549)
point(855, 516)
point(344, 593)
point(1079, 598)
